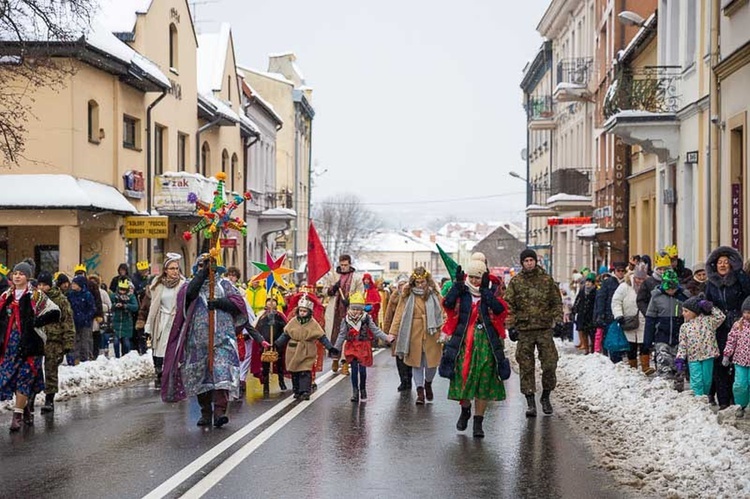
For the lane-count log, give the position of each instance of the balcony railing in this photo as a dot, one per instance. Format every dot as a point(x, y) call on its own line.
point(651, 89)
point(539, 108)
point(569, 181)
point(576, 71)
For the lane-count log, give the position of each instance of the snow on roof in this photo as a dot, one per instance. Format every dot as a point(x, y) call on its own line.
point(273, 76)
point(394, 242)
point(60, 191)
point(367, 266)
point(211, 58)
point(119, 16)
point(259, 97)
point(562, 197)
point(222, 108)
point(638, 38)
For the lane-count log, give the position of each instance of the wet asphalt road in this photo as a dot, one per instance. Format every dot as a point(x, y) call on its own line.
point(125, 442)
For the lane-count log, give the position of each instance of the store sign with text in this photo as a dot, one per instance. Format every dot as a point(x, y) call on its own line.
point(570, 220)
point(146, 227)
point(737, 217)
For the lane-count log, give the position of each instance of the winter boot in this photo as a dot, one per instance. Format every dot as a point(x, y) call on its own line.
point(363, 394)
point(478, 431)
point(49, 403)
point(204, 400)
point(646, 365)
point(740, 413)
point(546, 405)
point(266, 387)
point(16, 420)
point(428, 391)
point(282, 385)
point(243, 387)
point(28, 412)
point(344, 368)
point(531, 401)
point(633, 363)
point(463, 419)
point(221, 400)
point(335, 365)
point(355, 395)
point(584, 342)
point(420, 395)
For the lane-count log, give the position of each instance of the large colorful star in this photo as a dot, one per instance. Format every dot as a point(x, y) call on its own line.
point(272, 271)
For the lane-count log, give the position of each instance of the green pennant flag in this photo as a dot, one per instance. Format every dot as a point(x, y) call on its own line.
point(449, 262)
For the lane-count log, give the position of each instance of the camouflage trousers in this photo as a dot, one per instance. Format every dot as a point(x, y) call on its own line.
point(53, 357)
point(541, 340)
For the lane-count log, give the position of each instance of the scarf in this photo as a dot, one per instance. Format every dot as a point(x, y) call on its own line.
point(434, 320)
point(170, 283)
point(473, 289)
point(356, 325)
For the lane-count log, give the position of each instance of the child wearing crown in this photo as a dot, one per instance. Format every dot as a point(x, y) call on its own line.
point(301, 335)
point(358, 329)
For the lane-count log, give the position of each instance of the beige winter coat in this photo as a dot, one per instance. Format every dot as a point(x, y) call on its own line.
point(420, 340)
point(302, 348)
point(624, 305)
point(160, 316)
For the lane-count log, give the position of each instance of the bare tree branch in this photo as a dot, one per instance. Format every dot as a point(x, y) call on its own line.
point(344, 223)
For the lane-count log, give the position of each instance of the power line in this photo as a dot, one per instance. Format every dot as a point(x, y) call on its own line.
point(429, 201)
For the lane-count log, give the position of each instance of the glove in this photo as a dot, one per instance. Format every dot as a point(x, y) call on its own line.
point(725, 361)
point(620, 319)
point(265, 344)
point(513, 334)
point(679, 364)
point(334, 352)
point(368, 308)
point(335, 287)
point(443, 338)
point(211, 304)
point(485, 281)
point(346, 302)
point(460, 274)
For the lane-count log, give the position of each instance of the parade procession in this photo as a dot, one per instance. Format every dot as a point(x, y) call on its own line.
point(222, 278)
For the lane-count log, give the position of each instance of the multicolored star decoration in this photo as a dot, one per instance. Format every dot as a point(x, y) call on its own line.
point(272, 272)
point(217, 216)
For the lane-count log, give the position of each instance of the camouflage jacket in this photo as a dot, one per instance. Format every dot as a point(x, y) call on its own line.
point(534, 300)
point(64, 331)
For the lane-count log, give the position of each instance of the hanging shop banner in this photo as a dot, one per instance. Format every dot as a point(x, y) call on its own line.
point(737, 217)
point(570, 220)
point(146, 227)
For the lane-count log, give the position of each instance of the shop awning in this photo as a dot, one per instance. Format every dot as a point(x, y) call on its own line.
point(60, 192)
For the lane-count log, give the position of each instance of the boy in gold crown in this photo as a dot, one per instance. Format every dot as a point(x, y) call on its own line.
point(4, 271)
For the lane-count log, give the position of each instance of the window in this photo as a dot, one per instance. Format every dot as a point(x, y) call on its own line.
point(229, 87)
point(173, 46)
point(160, 135)
point(233, 172)
point(131, 132)
point(392, 265)
point(93, 122)
point(182, 145)
point(224, 161)
point(691, 33)
point(205, 159)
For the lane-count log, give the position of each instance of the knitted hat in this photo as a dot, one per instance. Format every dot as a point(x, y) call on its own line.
point(61, 279)
point(640, 271)
point(699, 267)
point(479, 256)
point(44, 277)
point(81, 281)
point(24, 268)
point(591, 277)
point(476, 268)
point(746, 305)
point(528, 253)
point(698, 304)
point(603, 270)
point(669, 280)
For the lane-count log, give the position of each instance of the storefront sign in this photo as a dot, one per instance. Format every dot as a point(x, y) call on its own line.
point(146, 227)
point(228, 243)
point(171, 192)
point(737, 217)
point(569, 220)
point(134, 185)
point(619, 207)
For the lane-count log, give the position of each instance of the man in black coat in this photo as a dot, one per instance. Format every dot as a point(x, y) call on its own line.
point(603, 303)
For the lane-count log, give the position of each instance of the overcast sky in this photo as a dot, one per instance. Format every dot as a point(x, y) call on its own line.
point(415, 100)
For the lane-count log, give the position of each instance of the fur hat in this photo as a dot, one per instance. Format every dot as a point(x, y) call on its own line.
point(640, 271)
point(476, 268)
point(528, 253)
point(44, 277)
point(24, 268)
point(81, 281)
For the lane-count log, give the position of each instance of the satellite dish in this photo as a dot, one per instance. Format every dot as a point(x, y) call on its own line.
point(524, 154)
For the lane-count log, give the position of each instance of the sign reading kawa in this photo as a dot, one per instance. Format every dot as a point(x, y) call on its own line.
point(146, 227)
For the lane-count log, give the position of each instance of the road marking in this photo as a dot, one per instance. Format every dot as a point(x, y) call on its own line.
point(221, 471)
point(192, 468)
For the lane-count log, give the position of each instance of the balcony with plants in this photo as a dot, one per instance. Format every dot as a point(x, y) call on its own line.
point(540, 114)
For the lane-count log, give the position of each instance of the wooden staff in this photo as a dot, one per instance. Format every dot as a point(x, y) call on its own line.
point(211, 313)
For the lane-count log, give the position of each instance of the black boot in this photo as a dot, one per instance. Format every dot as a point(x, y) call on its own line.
point(463, 419)
point(428, 391)
point(546, 405)
point(478, 431)
point(282, 385)
point(363, 394)
point(28, 412)
point(49, 403)
point(531, 401)
point(355, 395)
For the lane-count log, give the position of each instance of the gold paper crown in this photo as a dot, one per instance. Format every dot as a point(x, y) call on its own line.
point(124, 284)
point(420, 273)
point(4, 270)
point(671, 251)
point(356, 299)
point(662, 260)
point(142, 265)
point(79, 268)
point(307, 303)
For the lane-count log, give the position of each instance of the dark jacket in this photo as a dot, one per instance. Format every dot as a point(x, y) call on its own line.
point(31, 343)
point(694, 288)
point(267, 321)
point(684, 274)
point(583, 308)
point(84, 308)
point(4, 284)
point(728, 292)
point(460, 296)
point(644, 293)
point(534, 300)
point(603, 304)
point(663, 318)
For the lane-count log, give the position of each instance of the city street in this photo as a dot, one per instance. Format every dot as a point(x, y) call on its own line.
point(125, 442)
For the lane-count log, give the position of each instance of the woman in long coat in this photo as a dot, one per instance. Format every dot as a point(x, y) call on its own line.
point(624, 308)
point(23, 312)
point(163, 309)
point(186, 369)
point(416, 326)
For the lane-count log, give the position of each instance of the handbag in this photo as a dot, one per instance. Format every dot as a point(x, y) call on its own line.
point(615, 339)
point(630, 322)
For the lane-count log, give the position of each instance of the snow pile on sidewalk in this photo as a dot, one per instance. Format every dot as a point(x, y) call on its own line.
point(96, 375)
point(652, 438)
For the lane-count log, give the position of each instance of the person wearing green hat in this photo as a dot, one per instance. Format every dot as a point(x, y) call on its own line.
point(124, 305)
point(662, 331)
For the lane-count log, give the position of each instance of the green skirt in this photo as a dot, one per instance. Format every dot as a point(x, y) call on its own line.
point(483, 382)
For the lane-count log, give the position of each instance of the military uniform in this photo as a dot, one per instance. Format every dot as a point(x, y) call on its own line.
point(535, 306)
point(60, 339)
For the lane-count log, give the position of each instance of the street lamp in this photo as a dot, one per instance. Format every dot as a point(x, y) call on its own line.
point(630, 18)
point(518, 176)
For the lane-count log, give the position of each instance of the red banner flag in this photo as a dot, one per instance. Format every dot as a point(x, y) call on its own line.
point(318, 263)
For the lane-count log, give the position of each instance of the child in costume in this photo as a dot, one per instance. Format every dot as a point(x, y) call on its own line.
point(301, 336)
point(269, 326)
point(358, 329)
point(698, 347)
point(124, 304)
point(737, 350)
point(319, 312)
